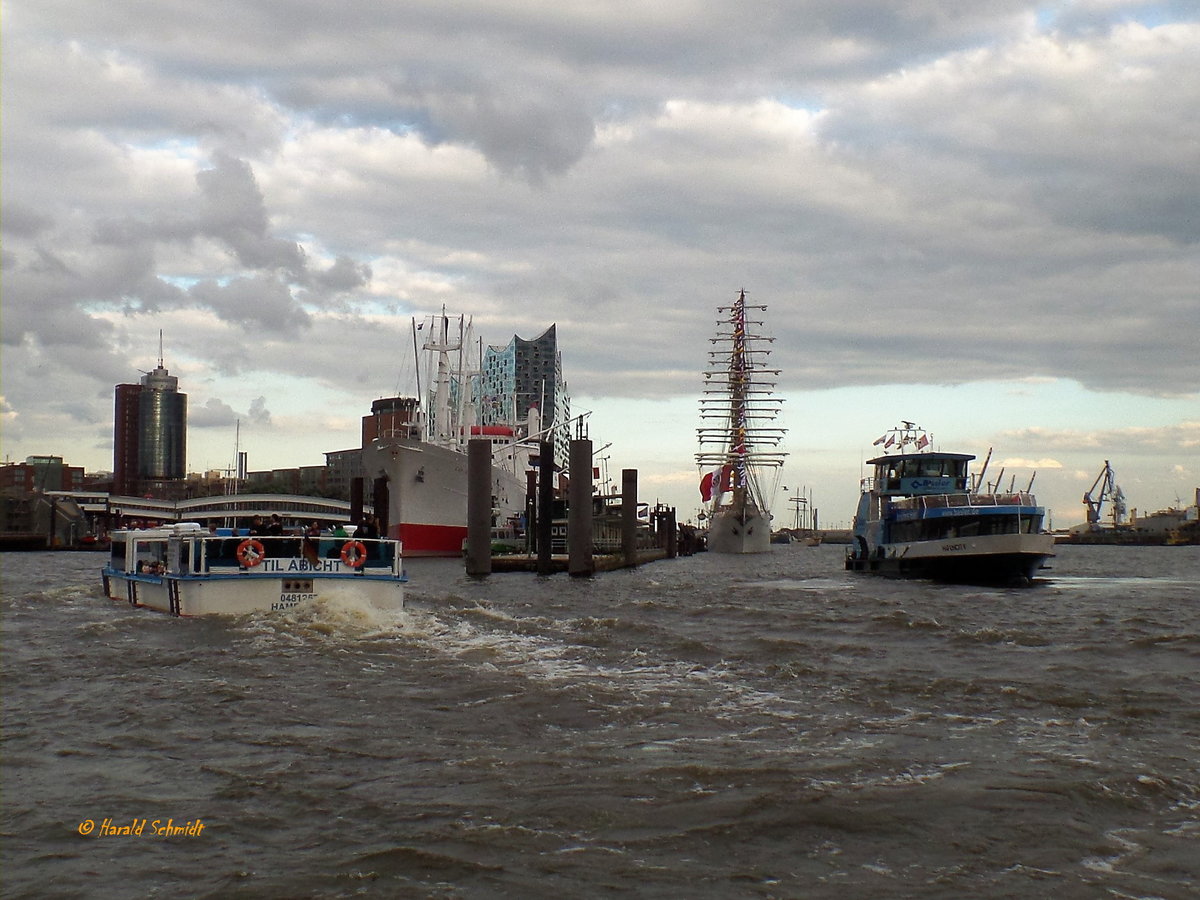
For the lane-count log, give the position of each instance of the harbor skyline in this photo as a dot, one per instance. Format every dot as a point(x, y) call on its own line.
point(982, 222)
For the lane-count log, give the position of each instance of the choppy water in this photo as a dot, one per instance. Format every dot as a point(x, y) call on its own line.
point(713, 727)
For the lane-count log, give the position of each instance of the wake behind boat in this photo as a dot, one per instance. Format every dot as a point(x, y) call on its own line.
point(186, 571)
point(917, 518)
point(739, 451)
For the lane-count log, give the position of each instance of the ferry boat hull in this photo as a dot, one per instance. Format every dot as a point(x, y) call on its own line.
point(236, 595)
point(996, 559)
point(188, 572)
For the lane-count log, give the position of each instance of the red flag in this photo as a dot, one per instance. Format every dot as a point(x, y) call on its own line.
point(706, 484)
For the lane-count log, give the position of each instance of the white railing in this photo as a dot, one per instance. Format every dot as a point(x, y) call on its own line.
point(945, 501)
point(200, 554)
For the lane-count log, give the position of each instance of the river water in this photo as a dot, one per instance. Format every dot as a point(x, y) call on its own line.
point(709, 727)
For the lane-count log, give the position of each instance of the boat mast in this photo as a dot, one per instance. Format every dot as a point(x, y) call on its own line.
point(739, 392)
point(737, 396)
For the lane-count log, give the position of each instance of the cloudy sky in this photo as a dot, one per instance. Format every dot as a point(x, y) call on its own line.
point(983, 217)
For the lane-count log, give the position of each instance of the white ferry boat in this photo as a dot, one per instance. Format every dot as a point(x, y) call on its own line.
point(185, 570)
point(919, 518)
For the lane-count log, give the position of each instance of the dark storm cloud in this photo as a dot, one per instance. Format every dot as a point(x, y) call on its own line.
point(345, 274)
point(216, 413)
point(261, 302)
point(213, 413)
point(234, 213)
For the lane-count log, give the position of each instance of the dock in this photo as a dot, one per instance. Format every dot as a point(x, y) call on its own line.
point(560, 562)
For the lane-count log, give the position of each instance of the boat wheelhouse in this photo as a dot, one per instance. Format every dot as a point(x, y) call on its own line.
point(185, 570)
point(921, 515)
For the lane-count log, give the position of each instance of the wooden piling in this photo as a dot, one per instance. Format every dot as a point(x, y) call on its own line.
point(629, 516)
point(580, 561)
point(545, 508)
point(479, 507)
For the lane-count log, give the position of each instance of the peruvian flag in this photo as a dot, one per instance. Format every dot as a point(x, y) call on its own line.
point(726, 478)
point(706, 486)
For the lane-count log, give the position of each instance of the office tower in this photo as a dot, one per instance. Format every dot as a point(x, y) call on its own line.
point(150, 435)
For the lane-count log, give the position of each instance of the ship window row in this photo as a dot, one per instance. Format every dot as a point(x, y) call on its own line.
point(981, 526)
point(925, 467)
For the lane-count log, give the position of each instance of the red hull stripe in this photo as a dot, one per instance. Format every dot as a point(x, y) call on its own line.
point(430, 540)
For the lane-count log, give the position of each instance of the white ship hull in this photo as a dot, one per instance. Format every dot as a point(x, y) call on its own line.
point(427, 494)
point(730, 532)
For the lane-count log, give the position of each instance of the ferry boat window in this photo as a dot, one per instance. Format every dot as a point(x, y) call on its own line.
point(931, 468)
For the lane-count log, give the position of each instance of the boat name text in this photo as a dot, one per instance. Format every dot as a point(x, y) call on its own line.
point(301, 565)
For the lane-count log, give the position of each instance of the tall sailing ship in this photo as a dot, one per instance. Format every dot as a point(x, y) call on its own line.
point(740, 457)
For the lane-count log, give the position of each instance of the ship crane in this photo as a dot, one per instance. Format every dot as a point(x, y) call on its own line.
point(1105, 488)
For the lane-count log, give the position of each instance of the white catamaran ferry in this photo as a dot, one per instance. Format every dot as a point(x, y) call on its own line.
point(921, 516)
point(185, 570)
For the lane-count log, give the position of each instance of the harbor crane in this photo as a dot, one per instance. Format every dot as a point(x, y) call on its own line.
point(1105, 488)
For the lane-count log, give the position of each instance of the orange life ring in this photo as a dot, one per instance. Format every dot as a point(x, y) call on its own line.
point(354, 553)
point(250, 553)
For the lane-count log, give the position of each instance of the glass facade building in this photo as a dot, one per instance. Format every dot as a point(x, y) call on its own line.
point(527, 374)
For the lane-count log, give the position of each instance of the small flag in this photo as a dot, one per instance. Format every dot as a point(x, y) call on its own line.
point(923, 442)
point(879, 440)
point(891, 440)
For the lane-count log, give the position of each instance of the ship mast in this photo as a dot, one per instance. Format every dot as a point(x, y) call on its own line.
point(740, 399)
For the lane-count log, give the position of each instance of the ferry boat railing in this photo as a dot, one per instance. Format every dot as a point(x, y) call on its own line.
point(944, 501)
point(200, 554)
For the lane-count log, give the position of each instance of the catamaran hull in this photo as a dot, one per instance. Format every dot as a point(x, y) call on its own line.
point(427, 495)
point(995, 559)
point(729, 532)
